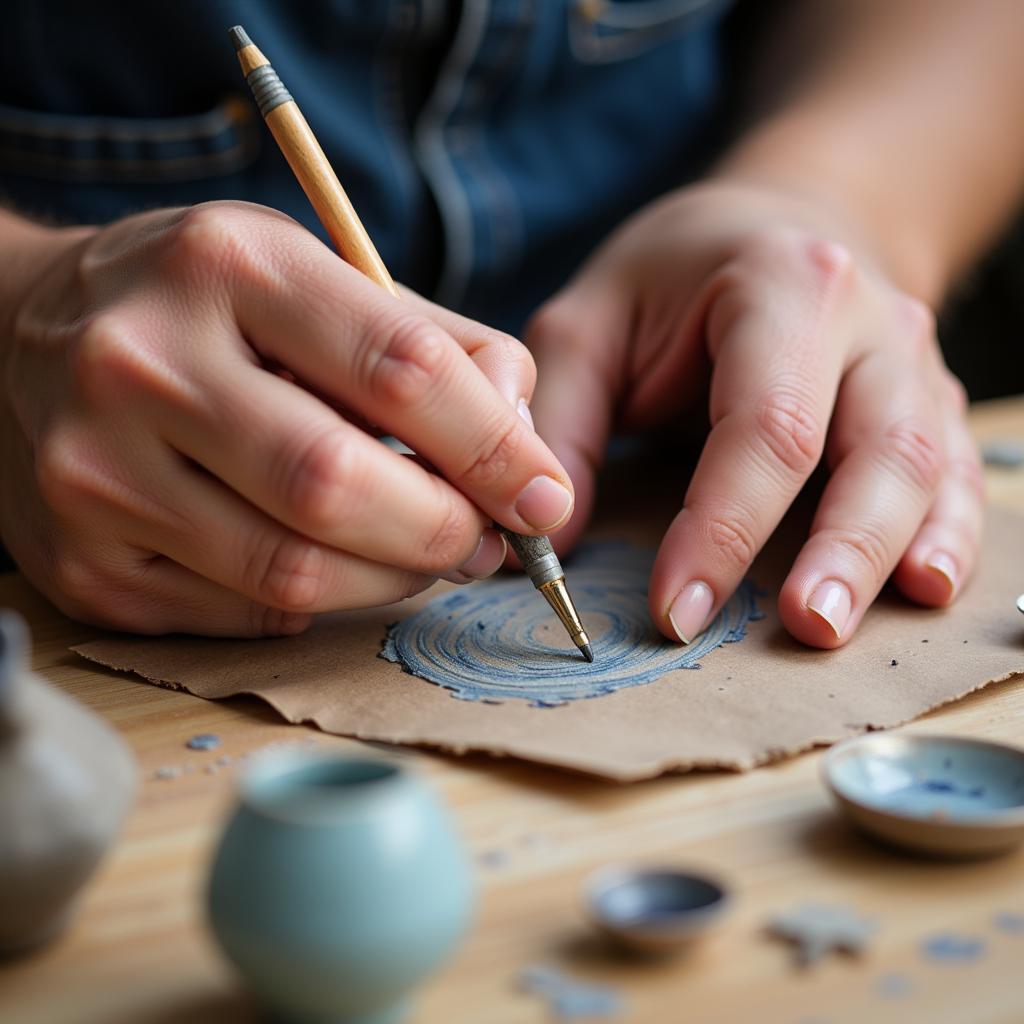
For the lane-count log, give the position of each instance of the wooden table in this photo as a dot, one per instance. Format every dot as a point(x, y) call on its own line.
point(139, 952)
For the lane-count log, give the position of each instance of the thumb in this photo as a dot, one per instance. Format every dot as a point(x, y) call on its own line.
point(578, 340)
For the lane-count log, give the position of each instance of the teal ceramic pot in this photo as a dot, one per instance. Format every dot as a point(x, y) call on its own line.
point(338, 885)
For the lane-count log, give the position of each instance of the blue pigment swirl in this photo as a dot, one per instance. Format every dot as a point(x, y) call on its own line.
point(499, 640)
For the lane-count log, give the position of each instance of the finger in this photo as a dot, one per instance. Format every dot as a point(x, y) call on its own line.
point(887, 447)
point(168, 598)
point(775, 336)
point(296, 459)
point(196, 521)
point(401, 371)
point(942, 555)
point(579, 343)
point(505, 362)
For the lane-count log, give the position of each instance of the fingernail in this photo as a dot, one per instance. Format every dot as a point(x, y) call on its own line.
point(485, 561)
point(690, 610)
point(943, 564)
point(524, 410)
point(831, 600)
point(544, 503)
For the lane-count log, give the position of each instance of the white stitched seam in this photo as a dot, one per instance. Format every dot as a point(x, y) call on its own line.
point(388, 102)
point(437, 166)
point(637, 33)
point(212, 122)
point(506, 216)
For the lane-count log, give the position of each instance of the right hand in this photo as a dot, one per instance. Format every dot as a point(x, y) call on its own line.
point(183, 420)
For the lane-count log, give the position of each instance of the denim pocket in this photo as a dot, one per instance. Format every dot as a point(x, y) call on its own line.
point(120, 149)
point(606, 31)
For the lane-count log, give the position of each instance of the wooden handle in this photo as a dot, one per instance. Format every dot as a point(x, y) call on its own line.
point(321, 185)
point(311, 167)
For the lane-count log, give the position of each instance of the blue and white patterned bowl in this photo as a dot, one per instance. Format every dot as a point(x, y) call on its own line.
point(943, 795)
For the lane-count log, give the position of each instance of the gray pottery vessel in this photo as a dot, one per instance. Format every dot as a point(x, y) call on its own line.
point(67, 780)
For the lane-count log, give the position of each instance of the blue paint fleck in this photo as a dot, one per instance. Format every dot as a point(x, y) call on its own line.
point(950, 948)
point(894, 986)
point(204, 741)
point(937, 786)
point(1009, 922)
point(493, 858)
point(522, 653)
point(567, 998)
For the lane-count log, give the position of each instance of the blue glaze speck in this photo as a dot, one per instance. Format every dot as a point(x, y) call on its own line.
point(204, 741)
point(568, 998)
point(499, 640)
point(948, 947)
point(894, 986)
point(1009, 922)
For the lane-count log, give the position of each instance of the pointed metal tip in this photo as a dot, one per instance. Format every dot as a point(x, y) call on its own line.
point(588, 652)
point(239, 37)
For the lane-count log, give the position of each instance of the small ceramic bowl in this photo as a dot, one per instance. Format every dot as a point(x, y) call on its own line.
point(941, 795)
point(650, 908)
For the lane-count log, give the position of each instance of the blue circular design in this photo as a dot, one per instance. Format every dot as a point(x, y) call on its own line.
point(499, 640)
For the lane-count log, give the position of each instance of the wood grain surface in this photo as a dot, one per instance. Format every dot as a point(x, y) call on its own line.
point(139, 951)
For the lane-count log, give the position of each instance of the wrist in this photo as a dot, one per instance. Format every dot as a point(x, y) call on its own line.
point(797, 155)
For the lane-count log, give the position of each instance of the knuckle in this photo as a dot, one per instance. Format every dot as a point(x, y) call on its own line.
point(733, 537)
point(832, 260)
point(107, 354)
point(791, 431)
point(866, 545)
point(956, 391)
point(446, 547)
point(322, 482)
point(206, 241)
point(918, 317)
point(915, 450)
point(404, 361)
point(516, 354)
point(796, 255)
point(494, 456)
point(60, 472)
point(287, 572)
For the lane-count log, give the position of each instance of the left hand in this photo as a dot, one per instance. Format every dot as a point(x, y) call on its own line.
point(811, 350)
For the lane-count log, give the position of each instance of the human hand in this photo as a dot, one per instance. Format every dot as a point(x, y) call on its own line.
point(810, 350)
point(184, 426)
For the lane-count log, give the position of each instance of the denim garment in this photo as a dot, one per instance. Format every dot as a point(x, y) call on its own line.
point(488, 145)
